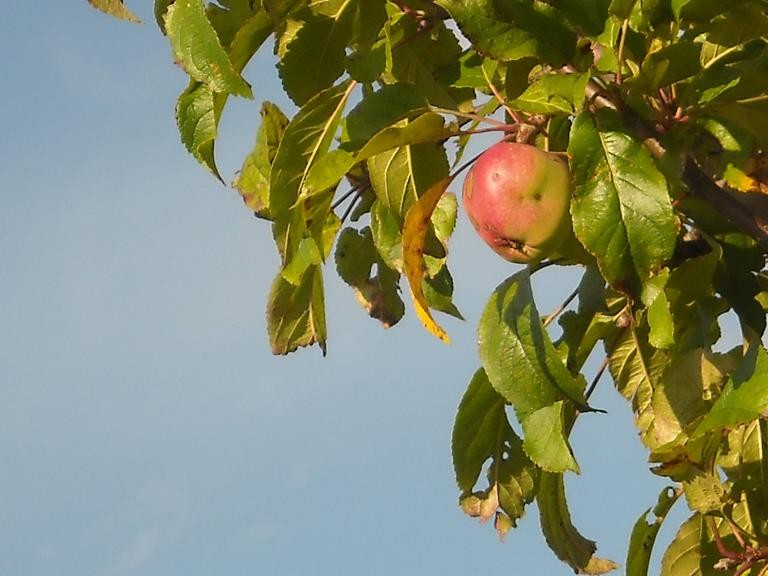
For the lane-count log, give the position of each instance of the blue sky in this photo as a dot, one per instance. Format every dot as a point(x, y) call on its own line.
point(144, 426)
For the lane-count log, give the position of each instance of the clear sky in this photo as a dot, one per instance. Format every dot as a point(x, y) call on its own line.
point(145, 428)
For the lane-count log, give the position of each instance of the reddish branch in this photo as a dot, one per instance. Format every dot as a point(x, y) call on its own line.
point(744, 559)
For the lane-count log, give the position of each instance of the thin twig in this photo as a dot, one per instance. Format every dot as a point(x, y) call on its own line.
point(596, 379)
point(557, 311)
point(514, 115)
point(355, 189)
point(620, 56)
point(469, 115)
point(349, 208)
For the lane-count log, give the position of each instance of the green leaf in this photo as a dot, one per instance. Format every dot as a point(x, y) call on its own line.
point(401, 175)
point(704, 493)
point(589, 15)
point(336, 26)
point(745, 396)
point(545, 439)
point(228, 16)
point(161, 7)
point(622, 9)
point(514, 29)
point(327, 172)
point(314, 57)
point(621, 208)
point(296, 313)
point(378, 294)
point(561, 535)
point(684, 556)
point(307, 137)
point(387, 237)
point(199, 108)
point(114, 8)
point(698, 10)
point(552, 94)
point(438, 290)
point(677, 407)
point(669, 65)
point(660, 319)
point(644, 534)
point(413, 57)
point(307, 254)
point(197, 48)
point(382, 109)
point(517, 354)
point(586, 326)
point(735, 279)
point(253, 180)
point(636, 368)
point(197, 117)
point(428, 127)
point(743, 23)
point(744, 459)
point(481, 432)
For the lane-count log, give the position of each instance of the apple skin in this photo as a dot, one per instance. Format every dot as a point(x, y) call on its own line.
point(517, 198)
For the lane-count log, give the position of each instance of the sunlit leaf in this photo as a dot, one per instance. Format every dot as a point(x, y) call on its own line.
point(114, 8)
point(669, 65)
point(428, 127)
point(552, 94)
point(704, 493)
point(545, 439)
point(621, 208)
point(417, 222)
point(296, 313)
point(636, 368)
point(677, 407)
point(745, 396)
point(199, 107)
point(517, 354)
point(197, 117)
point(560, 533)
point(253, 180)
point(198, 49)
point(660, 319)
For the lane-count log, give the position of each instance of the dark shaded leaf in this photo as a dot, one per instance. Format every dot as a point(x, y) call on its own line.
point(481, 433)
point(561, 535)
point(644, 534)
point(376, 291)
point(514, 29)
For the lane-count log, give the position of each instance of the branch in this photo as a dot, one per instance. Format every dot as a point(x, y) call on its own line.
point(699, 184)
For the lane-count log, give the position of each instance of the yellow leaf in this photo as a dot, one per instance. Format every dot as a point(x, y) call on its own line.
point(414, 231)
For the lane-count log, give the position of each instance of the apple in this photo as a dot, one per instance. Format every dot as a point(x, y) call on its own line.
point(517, 198)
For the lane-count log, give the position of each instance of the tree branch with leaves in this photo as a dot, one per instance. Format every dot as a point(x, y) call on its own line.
point(660, 110)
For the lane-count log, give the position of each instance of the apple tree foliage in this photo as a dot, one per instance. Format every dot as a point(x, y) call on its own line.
point(661, 107)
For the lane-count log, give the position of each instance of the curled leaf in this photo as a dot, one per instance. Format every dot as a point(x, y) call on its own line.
point(414, 232)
